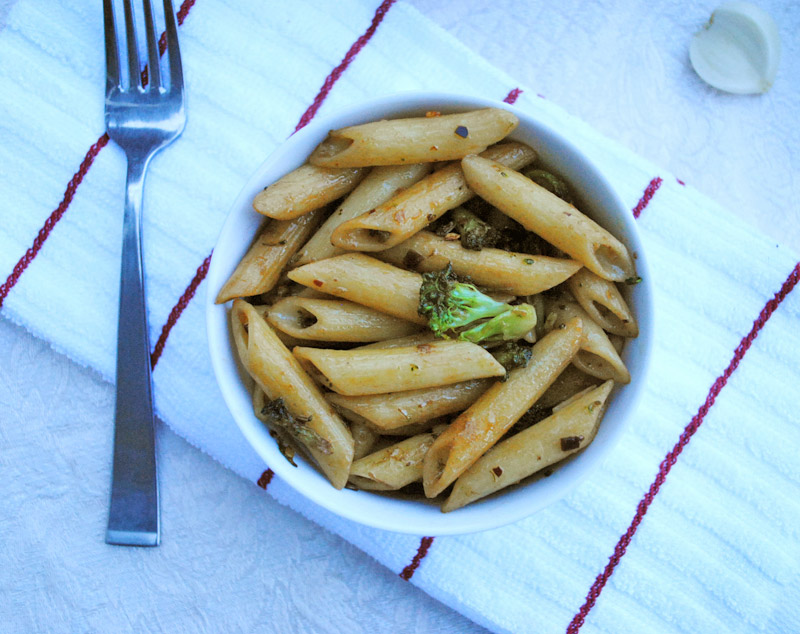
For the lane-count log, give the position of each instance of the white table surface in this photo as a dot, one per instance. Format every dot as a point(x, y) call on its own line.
point(231, 558)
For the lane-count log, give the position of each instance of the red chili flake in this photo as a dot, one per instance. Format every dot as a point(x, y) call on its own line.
point(433, 113)
point(424, 348)
point(318, 283)
point(569, 443)
point(497, 471)
point(462, 131)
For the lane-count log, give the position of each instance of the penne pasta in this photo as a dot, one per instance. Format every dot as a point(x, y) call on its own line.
point(555, 220)
point(305, 189)
point(386, 434)
point(287, 445)
point(378, 371)
point(335, 320)
point(379, 186)
point(515, 273)
point(262, 266)
point(364, 439)
point(392, 467)
point(562, 434)
point(398, 409)
point(424, 336)
point(280, 376)
point(478, 428)
point(414, 140)
point(400, 217)
point(288, 340)
point(366, 281)
point(604, 303)
point(597, 355)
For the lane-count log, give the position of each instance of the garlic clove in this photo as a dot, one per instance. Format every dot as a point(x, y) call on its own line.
point(738, 50)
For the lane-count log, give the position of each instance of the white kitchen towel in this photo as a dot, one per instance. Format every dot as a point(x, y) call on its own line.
point(719, 548)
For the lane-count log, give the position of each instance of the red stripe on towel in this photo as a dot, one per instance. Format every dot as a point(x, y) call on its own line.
point(265, 479)
point(652, 188)
point(672, 457)
point(331, 79)
point(512, 96)
point(411, 568)
point(76, 180)
point(176, 311)
point(53, 219)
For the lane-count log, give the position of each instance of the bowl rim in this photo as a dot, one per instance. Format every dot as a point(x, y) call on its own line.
point(376, 510)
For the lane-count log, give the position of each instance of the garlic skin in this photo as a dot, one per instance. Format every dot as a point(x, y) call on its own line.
point(738, 51)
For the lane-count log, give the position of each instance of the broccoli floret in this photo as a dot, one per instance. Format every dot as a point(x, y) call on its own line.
point(278, 416)
point(550, 182)
point(512, 355)
point(511, 324)
point(448, 303)
point(475, 233)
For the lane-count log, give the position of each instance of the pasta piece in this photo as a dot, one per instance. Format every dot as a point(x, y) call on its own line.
point(426, 336)
point(286, 339)
point(402, 216)
point(378, 371)
point(385, 434)
point(399, 409)
point(366, 281)
point(287, 445)
point(515, 273)
point(555, 220)
point(597, 355)
point(364, 439)
point(477, 429)
point(280, 376)
point(567, 431)
point(414, 140)
point(604, 303)
point(261, 267)
point(379, 186)
point(305, 189)
point(335, 320)
point(393, 467)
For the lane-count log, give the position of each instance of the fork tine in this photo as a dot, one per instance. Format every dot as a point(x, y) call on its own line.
point(173, 50)
point(112, 55)
point(133, 48)
point(153, 64)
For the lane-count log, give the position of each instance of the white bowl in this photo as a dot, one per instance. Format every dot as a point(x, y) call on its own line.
point(417, 515)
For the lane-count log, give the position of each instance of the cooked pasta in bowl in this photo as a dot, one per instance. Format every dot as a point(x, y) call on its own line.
point(430, 314)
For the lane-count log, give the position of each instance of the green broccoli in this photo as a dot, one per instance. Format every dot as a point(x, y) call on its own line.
point(278, 416)
point(512, 355)
point(475, 233)
point(551, 182)
point(448, 303)
point(511, 324)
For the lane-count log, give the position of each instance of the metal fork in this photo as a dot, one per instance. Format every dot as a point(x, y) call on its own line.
point(142, 116)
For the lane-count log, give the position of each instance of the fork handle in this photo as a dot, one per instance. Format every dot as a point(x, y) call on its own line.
point(134, 514)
